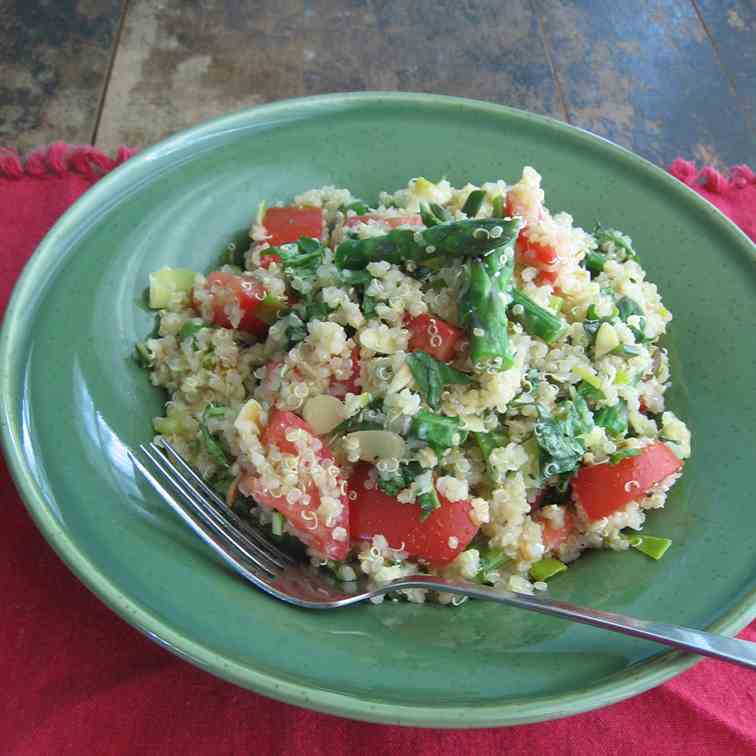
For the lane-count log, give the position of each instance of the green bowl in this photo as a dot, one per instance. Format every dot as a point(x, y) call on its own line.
point(74, 402)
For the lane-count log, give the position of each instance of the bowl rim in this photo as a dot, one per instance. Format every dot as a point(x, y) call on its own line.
point(140, 167)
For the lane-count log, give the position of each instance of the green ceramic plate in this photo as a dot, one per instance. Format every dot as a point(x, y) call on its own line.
point(74, 402)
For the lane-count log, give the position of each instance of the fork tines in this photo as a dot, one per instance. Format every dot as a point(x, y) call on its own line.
point(207, 514)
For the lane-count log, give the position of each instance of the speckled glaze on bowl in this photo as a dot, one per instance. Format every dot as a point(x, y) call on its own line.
point(73, 402)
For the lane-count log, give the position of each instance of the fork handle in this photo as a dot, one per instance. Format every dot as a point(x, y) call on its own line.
point(685, 638)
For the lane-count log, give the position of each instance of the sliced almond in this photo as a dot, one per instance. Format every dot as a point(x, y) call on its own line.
point(401, 380)
point(323, 413)
point(250, 420)
point(606, 339)
point(378, 444)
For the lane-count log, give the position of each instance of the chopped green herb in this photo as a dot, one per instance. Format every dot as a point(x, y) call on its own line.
point(490, 559)
point(398, 481)
point(234, 254)
point(557, 436)
point(214, 410)
point(533, 377)
point(627, 307)
point(301, 260)
point(143, 355)
point(190, 328)
point(589, 393)
point(498, 206)
point(296, 330)
point(425, 495)
point(544, 569)
point(361, 420)
point(613, 419)
point(487, 442)
point(212, 446)
point(623, 454)
point(439, 431)
point(431, 376)
point(368, 305)
point(612, 240)
point(429, 503)
point(359, 207)
point(355, 277)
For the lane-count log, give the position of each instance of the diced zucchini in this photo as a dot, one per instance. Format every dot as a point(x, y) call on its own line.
point(650, 545)
point(588, 376)
point(166, 282)
point(606, 339)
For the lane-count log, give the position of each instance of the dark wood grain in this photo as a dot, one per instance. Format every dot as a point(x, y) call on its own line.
point(179, 63)
point(54, 60)
point(647, 76)
point(731, 24)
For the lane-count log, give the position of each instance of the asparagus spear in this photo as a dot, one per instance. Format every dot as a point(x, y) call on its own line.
point(536, 320)
point(473, 202)
point(483, 314)
point(432, 247)
point(433, 214)
point(483, 308)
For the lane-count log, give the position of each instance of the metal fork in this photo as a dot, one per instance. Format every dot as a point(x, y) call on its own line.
point(262, 563)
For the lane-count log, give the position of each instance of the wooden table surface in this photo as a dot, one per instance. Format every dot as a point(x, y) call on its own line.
point(662, 77)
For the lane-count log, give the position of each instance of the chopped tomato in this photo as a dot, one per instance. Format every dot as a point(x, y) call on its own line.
point(286, 224)
point(434, 336)
point(392, 222)
point(533, 254)
point(604, 489)
point(267, 259)
point(328, 536)
point(374, 512)
point(228, 291)
point(353, 383)
point(553, 536)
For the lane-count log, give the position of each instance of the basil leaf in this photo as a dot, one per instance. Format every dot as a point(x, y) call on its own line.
point(399, 480)
point(212, 445)
point(628, 307)
point(431, 376)
point(561, 449)
point(190, 328)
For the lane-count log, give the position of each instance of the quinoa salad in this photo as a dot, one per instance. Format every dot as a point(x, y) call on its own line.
point(449, 381)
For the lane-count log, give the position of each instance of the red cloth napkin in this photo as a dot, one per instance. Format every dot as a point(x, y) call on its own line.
point(78, 679)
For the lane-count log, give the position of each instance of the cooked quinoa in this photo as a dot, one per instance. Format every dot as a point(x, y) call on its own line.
point(454, 381)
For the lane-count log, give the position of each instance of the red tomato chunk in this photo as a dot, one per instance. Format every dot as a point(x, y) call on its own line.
point(435, 336)
point(286, 224)
point(374, 512)
point(604, 489)
point(328, 538)
point(228, 290)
